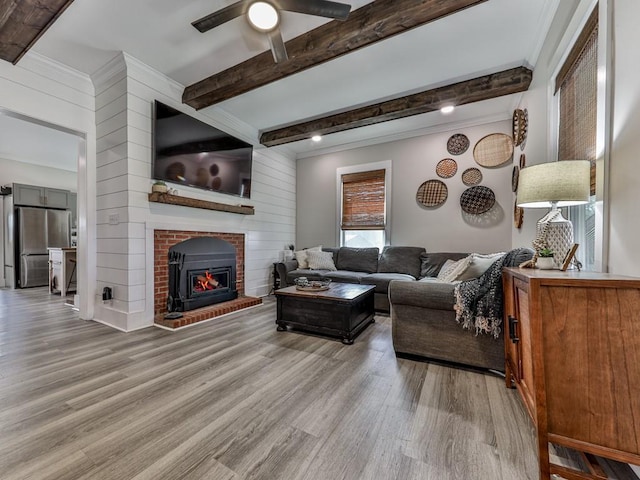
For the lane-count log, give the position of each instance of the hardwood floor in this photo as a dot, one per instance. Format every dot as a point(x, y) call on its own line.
point(235, 399)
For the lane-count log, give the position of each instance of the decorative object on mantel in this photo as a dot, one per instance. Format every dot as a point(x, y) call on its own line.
point(477, 200)
point(204, 204)
point(523, 161)
point(432, 193)
point(519, 126)
point(159, 186)
point(457, 144)
point(514, 178)
point(471, 176)
point(446, 168)
point(494, 150)
point(526, 121)
point(216, 183)
point(518, 215)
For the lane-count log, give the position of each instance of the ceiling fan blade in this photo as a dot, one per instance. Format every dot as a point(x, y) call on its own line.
point(320, 8)
point(221, 16)
point(277, 46)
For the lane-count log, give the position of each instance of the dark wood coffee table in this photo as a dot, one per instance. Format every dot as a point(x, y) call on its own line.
point(344, 310)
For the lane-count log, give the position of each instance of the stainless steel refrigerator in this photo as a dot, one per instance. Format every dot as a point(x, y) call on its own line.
point(35, 230)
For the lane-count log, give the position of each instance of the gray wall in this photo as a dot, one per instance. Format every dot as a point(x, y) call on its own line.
point(413, 161)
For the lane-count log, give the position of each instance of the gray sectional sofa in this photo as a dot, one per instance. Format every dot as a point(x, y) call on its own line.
point(422, 307)
point(363, 266)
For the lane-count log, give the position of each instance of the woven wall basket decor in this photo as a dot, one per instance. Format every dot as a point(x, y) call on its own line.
point(446, 168)
point(457, 144)
point(526, 130)
point(518, 214)
point(520, 125)
point(493, 150)
point(523, 161)
point(477, 200)
point(471, 176)
point(515, 175)
point(432, 193)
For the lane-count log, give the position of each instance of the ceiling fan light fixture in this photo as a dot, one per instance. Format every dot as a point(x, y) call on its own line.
point(263, 16)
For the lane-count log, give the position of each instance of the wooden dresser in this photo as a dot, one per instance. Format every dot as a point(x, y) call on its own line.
point(572, 345)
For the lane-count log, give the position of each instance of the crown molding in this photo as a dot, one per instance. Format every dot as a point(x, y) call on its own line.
point(57, 72)
point(105, 73)
point(546, 19)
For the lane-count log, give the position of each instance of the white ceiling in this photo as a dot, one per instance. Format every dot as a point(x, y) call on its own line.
point(492, 36)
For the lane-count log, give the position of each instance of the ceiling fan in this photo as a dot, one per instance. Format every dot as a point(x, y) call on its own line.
point(264, 16)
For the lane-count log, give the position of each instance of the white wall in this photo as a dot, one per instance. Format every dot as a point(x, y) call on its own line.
point(624, 174)
point(536, 101)
point(125, 90)
point(12, 171)
point(414, 160)
point(50, 92)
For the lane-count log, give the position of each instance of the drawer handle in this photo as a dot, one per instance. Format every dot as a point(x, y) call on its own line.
point(513, 325)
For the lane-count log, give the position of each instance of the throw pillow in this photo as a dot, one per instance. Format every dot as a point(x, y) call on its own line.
point(478, 265)
point(320, 260)
point(447, 268)
point(433, 262)
point(301, 256)
point(450, 271)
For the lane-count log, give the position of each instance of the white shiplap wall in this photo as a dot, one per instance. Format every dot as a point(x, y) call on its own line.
point(125, 90)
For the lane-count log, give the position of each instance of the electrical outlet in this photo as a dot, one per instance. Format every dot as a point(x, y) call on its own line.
point(114, 219)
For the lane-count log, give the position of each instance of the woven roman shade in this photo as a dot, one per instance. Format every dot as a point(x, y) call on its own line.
point(577, 85)
point(363, 200)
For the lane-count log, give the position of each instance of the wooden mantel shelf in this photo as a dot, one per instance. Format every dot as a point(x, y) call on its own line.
point(204, 204)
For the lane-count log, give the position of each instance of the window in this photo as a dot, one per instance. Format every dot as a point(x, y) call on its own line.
point(577, 90)
point(363, 206)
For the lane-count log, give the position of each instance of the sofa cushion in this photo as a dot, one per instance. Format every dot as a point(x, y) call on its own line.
point(358, 259)
point(382, 280)
point(431, 263)
point(401, 260)
point(434, 295)
point(345, 276)
point(320, 260)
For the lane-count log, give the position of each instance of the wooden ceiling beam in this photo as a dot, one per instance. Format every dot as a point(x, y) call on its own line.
point(371, 23)
point(23, 22)
point(506, 82)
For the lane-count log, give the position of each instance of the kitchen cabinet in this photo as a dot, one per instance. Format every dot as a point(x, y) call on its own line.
point(572, 347)
point(35, 196)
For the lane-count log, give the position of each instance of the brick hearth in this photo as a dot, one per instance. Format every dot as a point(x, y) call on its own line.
point(165, 239)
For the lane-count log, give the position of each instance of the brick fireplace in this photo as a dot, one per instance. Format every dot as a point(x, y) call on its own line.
point(165, 239)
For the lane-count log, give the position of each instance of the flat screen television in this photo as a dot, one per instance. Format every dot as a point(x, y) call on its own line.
point(189, 152)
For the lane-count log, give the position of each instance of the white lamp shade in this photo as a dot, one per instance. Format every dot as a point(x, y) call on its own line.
point(564, 183)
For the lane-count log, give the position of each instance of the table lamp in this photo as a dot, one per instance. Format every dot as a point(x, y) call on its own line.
point(553, 185)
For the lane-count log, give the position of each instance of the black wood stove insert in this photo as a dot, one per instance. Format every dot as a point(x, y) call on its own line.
point(202, 272)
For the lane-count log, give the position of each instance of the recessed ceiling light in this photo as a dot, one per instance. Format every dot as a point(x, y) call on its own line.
point(316, 138)
point(263, 16)
point(447, 109)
